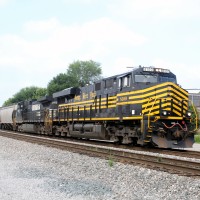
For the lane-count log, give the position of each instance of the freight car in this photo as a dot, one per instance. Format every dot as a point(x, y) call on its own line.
point(7, 117)
point(144, 106)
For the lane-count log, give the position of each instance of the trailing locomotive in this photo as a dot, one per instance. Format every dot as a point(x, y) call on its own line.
point(144, 106)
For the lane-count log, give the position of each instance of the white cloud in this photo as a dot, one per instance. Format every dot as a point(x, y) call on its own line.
point(92, 39)
point(156, 9)
point(36, 60)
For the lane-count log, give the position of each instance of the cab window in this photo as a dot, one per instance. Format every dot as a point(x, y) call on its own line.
point(167, 79)
point(126, 81)
point(120, 83)
point(145, 78)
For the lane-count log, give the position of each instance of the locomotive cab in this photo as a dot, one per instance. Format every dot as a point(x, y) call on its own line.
point(144, 77)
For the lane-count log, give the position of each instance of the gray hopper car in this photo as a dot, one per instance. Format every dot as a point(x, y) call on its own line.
point(7, 117)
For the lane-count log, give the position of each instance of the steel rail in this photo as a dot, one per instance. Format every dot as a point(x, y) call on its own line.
point(172, 165)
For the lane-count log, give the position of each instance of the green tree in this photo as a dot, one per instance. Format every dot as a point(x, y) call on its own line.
point(27, 93)
point(8, 102)
point(84, 72)
point(79, 73)
point(60, 82)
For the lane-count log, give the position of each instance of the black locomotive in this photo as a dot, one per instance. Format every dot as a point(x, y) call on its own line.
point(144, 106)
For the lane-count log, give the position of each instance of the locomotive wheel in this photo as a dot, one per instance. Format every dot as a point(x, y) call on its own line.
point(57, 133)
point(42, 130)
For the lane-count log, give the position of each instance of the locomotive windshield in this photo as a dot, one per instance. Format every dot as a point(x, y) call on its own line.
point(145, 78)
point(167, 79)
point(153, 75)
point(153, 79)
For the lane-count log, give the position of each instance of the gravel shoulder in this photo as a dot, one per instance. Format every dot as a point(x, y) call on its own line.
point(30, 171)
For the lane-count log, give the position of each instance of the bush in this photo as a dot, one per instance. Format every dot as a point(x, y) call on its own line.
point(197, 138)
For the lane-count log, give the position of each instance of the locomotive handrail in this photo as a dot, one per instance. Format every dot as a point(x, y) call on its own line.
point(147, 103)
point(150, 111)
point(152, 108)
point(150, 99)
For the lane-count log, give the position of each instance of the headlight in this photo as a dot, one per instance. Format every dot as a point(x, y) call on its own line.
point(164, 112)
point(189, 114)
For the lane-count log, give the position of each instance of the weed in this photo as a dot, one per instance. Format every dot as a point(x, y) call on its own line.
point(159, 159)
point(197, 138)
point(110, 161)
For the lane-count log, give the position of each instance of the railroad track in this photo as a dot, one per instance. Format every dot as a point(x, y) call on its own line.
point(173, 152)
point(158, 162)
point(178, 152)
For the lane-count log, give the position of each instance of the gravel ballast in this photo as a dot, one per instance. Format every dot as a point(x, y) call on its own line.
point(30, 171)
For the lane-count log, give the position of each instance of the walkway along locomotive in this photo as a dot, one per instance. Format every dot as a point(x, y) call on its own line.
point(144, 106)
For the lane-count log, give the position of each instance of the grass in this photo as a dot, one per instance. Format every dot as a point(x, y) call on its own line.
point(111, 161)
point(197, 138)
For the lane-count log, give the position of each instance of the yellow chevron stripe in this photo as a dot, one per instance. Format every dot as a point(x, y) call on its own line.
point(134, 117)
point(114, 98)
point(154, 87)
point(149, 94)
point(87, 108)
point(156, 102)
point(169, 103)
point(129, 102)
point(177, 92)
point(140, 101)
point(143, 90)
point(151, 110)
point(178, 113)
point(179, 88)
point(110, 106)
point(156, 106)
point(168, 108)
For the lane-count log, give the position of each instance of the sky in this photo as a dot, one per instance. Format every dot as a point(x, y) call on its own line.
point(40, 38)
